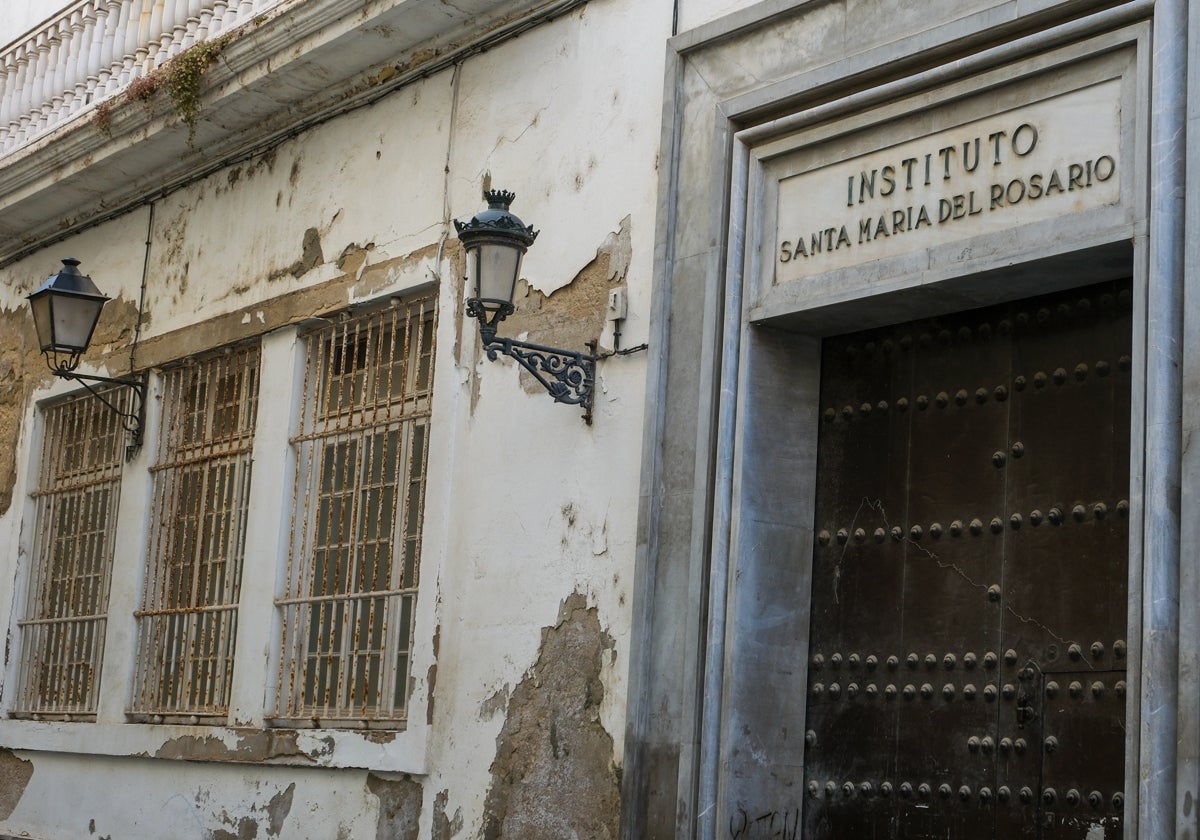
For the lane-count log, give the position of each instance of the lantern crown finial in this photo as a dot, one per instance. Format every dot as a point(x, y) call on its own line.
point(499, 199)
point(496, 223)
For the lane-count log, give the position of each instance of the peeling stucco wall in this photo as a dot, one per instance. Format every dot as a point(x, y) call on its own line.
point(265, 314)
point(445, 824)
point(15, 773)
point(554, 774)
point(250, 746)
point(22, 370)
point(16, 333)
point(574, 314)
point(350, 213)
point(431, 675)
point(399, 807)
point(267, 817)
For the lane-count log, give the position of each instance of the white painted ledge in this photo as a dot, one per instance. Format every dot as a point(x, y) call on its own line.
point(380, 750)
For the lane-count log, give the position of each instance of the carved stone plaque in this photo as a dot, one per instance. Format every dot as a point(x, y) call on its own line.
point(1053, 157)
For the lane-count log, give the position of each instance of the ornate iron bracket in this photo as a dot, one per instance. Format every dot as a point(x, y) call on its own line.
point(569, 376)
point(131, 421)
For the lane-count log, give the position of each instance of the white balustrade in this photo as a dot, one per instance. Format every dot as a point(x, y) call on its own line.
point(179, 26)
point(70, 74)
point(93, 50)
point(7, 80)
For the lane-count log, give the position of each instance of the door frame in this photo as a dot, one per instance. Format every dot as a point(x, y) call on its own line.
point(710, 620)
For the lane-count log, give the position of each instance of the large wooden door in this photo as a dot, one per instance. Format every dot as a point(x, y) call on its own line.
point(967, 649)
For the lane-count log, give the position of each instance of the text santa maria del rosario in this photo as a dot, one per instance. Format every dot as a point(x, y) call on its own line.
point(1055, 157)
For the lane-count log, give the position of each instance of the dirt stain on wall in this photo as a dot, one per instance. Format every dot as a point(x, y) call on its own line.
point(554, 774)
point(311, 256)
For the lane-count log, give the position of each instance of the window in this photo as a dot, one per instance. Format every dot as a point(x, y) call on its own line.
point(351, 587)
point(62, 634)
point(187, 622)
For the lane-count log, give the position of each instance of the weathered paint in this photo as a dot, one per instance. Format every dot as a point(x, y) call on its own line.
point(15, 773)
point(444, 826)
point(572, 315)
point(345, 213)
point(22, 370)
point(399, 807)
point(554, 773)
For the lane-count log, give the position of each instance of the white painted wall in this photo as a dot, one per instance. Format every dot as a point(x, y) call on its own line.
point(693, 13)
point(19, 16)
point(525, 505)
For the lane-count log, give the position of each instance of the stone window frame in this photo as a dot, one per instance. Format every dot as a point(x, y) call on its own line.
point(66, 614)
point(366, 399)
point(187, 628)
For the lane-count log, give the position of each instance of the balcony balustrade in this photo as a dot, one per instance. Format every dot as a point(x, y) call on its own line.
point(93, 50)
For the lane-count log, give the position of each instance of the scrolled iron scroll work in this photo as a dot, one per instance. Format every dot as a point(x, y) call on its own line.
point(569, 376)
point(500, 311)
point(132, 419)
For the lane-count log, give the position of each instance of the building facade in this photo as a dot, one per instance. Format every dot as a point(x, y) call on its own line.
point(247, 620)
point(924, 272)
point(879, 524)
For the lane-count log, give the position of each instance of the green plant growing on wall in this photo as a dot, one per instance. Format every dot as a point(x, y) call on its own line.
point(183, 75)
point(180, 78)
point(142, 89)
point(103, 118)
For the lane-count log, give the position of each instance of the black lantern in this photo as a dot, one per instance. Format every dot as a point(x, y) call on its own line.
point(65, 311)
point(495, 241)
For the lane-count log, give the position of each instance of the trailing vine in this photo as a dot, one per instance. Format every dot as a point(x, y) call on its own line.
point(103, 118)
point(180, 78)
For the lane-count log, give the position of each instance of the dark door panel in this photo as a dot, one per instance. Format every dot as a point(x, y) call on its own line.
point(970, 575)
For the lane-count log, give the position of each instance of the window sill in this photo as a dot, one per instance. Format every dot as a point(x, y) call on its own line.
point(380, 750)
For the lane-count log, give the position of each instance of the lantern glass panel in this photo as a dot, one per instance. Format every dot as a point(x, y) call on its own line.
point(72, 319)
point(497, 269)
point(43, 320)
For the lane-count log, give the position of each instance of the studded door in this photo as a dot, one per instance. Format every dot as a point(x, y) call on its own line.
point(967, 654)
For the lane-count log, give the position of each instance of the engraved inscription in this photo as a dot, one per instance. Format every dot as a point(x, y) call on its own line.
point(1047, 159)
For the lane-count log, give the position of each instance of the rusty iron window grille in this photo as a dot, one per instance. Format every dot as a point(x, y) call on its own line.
point(62, 631)
point(187, 621)
point(361, 453)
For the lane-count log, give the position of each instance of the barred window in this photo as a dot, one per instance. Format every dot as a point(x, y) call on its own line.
point(79, 481)
point(187, 622)
point(347, 611)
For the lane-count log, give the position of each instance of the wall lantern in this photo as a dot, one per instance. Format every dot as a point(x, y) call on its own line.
point(65, 311)
point(495, 241)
